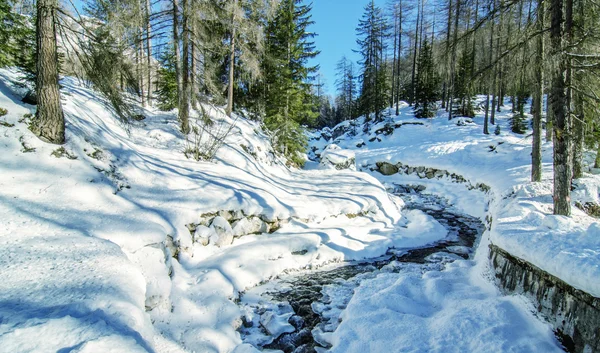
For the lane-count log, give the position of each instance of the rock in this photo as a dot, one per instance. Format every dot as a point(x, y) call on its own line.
point(224, 233)
point(420, 188)
point(335, 157)
point(228, 215)
point(386, 168)
point(251, 225)
point(410, 170)
point(171, 247)
point(203, 234)
point(429, 175)
point(420, 169)
point(138, 117)
point(276, 325)
point(237, 215)
point(30, 98)
point(440, 173)
point(206, 218)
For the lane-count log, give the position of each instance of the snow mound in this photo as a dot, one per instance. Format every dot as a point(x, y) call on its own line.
point(333, 157)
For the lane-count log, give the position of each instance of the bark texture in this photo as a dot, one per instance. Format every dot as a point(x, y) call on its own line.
point(562, 139)
point(49, 121)
point(536, 153)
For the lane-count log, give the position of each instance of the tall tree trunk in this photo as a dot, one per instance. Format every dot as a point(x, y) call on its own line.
point(538, 98)
point(149, 51)
point(453, 64)
point(177, 51)
point(562, 140)
point(489, 85)
point(229, 109)
point(447, 69)
point(49, 121)
point(414, 64)
point(184, 104)
point(399, 56)
point(579, 117)
point(394, 73)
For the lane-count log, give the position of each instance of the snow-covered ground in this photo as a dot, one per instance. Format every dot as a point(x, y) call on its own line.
point(85, 237)
point(82, 244)
point(521, 211)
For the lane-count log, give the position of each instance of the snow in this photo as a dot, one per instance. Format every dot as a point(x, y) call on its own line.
point(438, 311)
point(521, 211)
point(83, 241)
point(84, 257)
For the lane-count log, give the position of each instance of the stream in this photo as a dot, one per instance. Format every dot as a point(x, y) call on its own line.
point(297, 312)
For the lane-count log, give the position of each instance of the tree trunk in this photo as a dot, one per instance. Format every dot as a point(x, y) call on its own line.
point(448, 29)
point(399, 56)
point(562, 140)
point(49, 121)
point(414, 64)
point(184, 104)
point(177, 51)
point(229, 109)
point(538, 98)
point(149, 51)
point(453, 64)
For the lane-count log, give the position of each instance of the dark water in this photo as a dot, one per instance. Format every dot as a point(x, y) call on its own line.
point(307, 289)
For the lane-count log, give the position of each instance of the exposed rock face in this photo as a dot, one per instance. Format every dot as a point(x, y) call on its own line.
point(574, 314)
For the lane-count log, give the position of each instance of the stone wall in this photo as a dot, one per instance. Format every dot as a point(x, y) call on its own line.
point(574, 314)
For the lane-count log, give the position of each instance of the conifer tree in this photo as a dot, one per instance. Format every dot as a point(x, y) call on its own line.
point(427, 81)
point(372, 31)
point(288, 98)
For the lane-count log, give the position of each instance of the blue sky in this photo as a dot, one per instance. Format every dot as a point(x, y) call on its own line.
point(335, 24)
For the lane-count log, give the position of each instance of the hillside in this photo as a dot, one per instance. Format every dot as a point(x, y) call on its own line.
point(117, 241)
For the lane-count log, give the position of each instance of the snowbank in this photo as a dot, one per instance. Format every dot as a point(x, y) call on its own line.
point(93, 222)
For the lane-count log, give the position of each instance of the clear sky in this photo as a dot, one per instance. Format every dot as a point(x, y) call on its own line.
point(335, 24)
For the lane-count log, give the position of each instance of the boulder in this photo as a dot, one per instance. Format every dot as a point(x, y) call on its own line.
point(203, 234)
point(335, 157)
point(386, 168)
point(251, 225)
point(223, 231)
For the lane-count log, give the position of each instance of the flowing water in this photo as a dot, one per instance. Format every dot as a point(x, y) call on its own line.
point(313, 301)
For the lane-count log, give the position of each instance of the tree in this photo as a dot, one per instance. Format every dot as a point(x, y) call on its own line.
point(562, 139)
point(426, 84)
point(372, 32)
point(346, 88)
point(49, 121)
point(287, 89)
point(538, 98)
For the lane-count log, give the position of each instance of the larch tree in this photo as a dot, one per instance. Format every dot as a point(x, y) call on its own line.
point(49, 121)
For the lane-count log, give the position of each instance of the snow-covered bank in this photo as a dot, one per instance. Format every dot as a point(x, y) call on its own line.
point(521, 211)
point(84, 242)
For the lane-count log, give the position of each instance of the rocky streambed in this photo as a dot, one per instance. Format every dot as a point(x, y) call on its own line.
point(297, 313)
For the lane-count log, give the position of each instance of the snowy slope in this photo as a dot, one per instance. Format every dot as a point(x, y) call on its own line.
point(84, 242)
point(523, 224)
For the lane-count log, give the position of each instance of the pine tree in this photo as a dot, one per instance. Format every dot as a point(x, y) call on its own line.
point(287, 93)
point(427, 81)
point(372, 31)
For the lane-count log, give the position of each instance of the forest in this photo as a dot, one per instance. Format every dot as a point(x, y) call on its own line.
point(253, 57)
